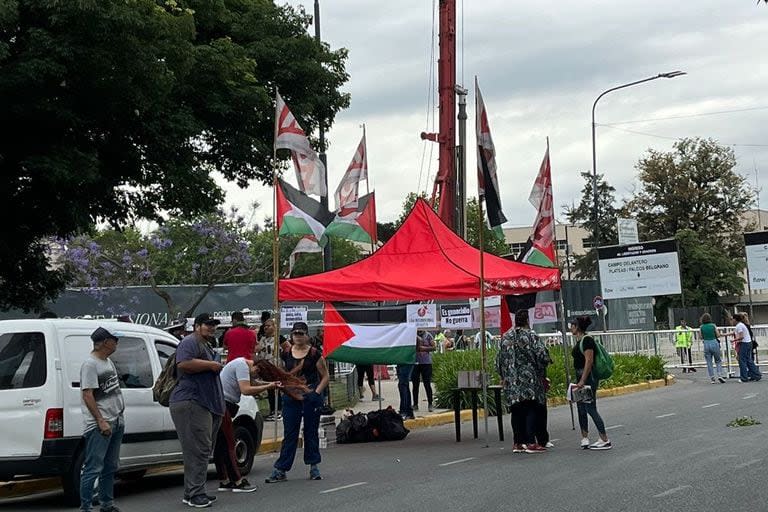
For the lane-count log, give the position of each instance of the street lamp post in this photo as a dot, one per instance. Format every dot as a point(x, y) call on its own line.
point(596, 229)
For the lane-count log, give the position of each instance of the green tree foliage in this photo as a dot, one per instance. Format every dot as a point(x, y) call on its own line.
point(115, 110)
point(585, 266)
point(491, 243)
point(206, 251)
point(694, 194)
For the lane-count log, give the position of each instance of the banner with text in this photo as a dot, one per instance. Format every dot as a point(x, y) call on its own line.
point(756, 247)
point(423, 316)
point(639, 270)
point(289, 315)
point(455, 316)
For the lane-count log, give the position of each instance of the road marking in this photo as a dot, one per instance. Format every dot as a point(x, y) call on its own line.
point(748, 463)
point(456, 461)
point(710, 405)
point(667, 415)
point(672, 491)
point(751, 395)
point(343, 487)
point(613, 427)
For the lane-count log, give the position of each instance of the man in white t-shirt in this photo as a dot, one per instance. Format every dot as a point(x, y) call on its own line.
point(235, 381)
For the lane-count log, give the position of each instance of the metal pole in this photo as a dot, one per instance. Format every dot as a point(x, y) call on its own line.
point(327, 259)
point(461, 166)
point(566, 346)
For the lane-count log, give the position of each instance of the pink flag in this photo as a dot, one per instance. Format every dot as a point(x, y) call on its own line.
point(347, 192)
point(310, 171)
point(543, 237)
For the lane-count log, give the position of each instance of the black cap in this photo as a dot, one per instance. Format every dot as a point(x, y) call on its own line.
point(101, 334)
point(206, 318)
point(300, 326)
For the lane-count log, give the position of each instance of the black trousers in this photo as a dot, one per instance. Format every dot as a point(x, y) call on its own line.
point(422, 372)
point(524, 421)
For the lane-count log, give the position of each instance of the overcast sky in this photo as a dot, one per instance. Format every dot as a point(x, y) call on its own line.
point(540, 66)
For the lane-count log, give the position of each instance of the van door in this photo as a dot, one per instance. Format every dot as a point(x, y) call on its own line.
point(143, 424)
point(24, 396)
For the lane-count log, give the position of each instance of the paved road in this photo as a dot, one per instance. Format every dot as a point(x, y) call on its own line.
point(673, 452)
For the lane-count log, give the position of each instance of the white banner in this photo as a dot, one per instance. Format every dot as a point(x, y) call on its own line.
point(543, 313)
point(756, 246)
point(641, 270)
point(490, 301)
point(289, 315)
point(627, 229)
point(422, 315)
point(455, 316)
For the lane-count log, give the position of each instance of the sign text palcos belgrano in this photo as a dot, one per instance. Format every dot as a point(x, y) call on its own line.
point(639, 270)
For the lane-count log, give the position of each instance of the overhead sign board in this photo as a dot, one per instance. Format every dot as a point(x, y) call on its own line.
point(639, 270)
point(627, 229)
point(756, 246)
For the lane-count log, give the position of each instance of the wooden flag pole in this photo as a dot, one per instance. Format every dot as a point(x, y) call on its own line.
point(275, 264)
point(483, 348)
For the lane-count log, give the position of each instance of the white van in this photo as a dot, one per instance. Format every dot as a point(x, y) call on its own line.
point(41, 422)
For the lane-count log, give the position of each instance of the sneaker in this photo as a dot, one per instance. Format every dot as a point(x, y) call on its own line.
point(534, 448)
point(185, 499)
point(549, 444)
point(225, 486)
point(375, 398)
point(692, 370)
point(243, 486)
point(518, 448)
point(314, 472)
point(713, 381)
point(270, 417)
point(601, 445)
point(585, 443)
point(429, 408)
point(200, 501)
point(409, 417)
point(721, 380)
point(276, 476)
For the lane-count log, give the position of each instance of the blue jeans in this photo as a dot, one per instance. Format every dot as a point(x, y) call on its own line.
point(403, 380)
point(293, 412)
point(712, 351)
point(747, 368)
point(102, 458)
point(590, 408)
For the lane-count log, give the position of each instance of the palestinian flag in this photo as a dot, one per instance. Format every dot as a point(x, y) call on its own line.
point(299, 214)
point(487, 181)
point(540, 249)
point(356, 223)
point(367, 344)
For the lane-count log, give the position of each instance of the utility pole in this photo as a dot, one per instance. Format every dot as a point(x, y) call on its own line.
point(461, 165)
point(327, 260)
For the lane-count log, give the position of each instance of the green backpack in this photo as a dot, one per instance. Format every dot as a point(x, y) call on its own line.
point(602, 367)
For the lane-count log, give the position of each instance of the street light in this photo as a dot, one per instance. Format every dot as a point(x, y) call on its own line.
point(596, 230)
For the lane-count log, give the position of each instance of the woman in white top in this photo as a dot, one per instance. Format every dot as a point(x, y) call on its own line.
point(742, 338)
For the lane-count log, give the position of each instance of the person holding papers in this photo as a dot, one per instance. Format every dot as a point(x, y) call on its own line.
point(583, 360)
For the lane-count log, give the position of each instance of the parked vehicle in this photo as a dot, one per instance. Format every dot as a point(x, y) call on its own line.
point(42, 423)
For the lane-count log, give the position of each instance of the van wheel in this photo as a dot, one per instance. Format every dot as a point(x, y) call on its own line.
point(245, 449)
point(136, 474)
point(70, 480)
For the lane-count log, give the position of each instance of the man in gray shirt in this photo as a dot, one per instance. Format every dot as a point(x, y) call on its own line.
point(102, 405)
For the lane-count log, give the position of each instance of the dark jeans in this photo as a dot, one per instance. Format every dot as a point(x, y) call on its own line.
point(293, 412)
point(362, 371)
point(224, 450)
point(102, 457)
point(590, 408)
point(197, 428)
point(422, 372)
point(524, 421)
point(273, 401)
point(403, 382)
point(747, 368)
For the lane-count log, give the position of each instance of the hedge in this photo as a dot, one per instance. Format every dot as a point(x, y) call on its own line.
point(629, 369)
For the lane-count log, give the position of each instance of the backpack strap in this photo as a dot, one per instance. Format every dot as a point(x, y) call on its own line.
point(581, 343)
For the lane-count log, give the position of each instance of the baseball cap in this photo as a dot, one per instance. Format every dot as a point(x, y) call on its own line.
point(206, 318)
point(300, 326)
point(101, 334)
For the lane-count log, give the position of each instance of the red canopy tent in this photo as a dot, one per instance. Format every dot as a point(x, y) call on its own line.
point(423, 260)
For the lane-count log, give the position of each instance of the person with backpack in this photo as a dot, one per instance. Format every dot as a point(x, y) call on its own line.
point(303, 361)
point(584, 358)
point(742, 338)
